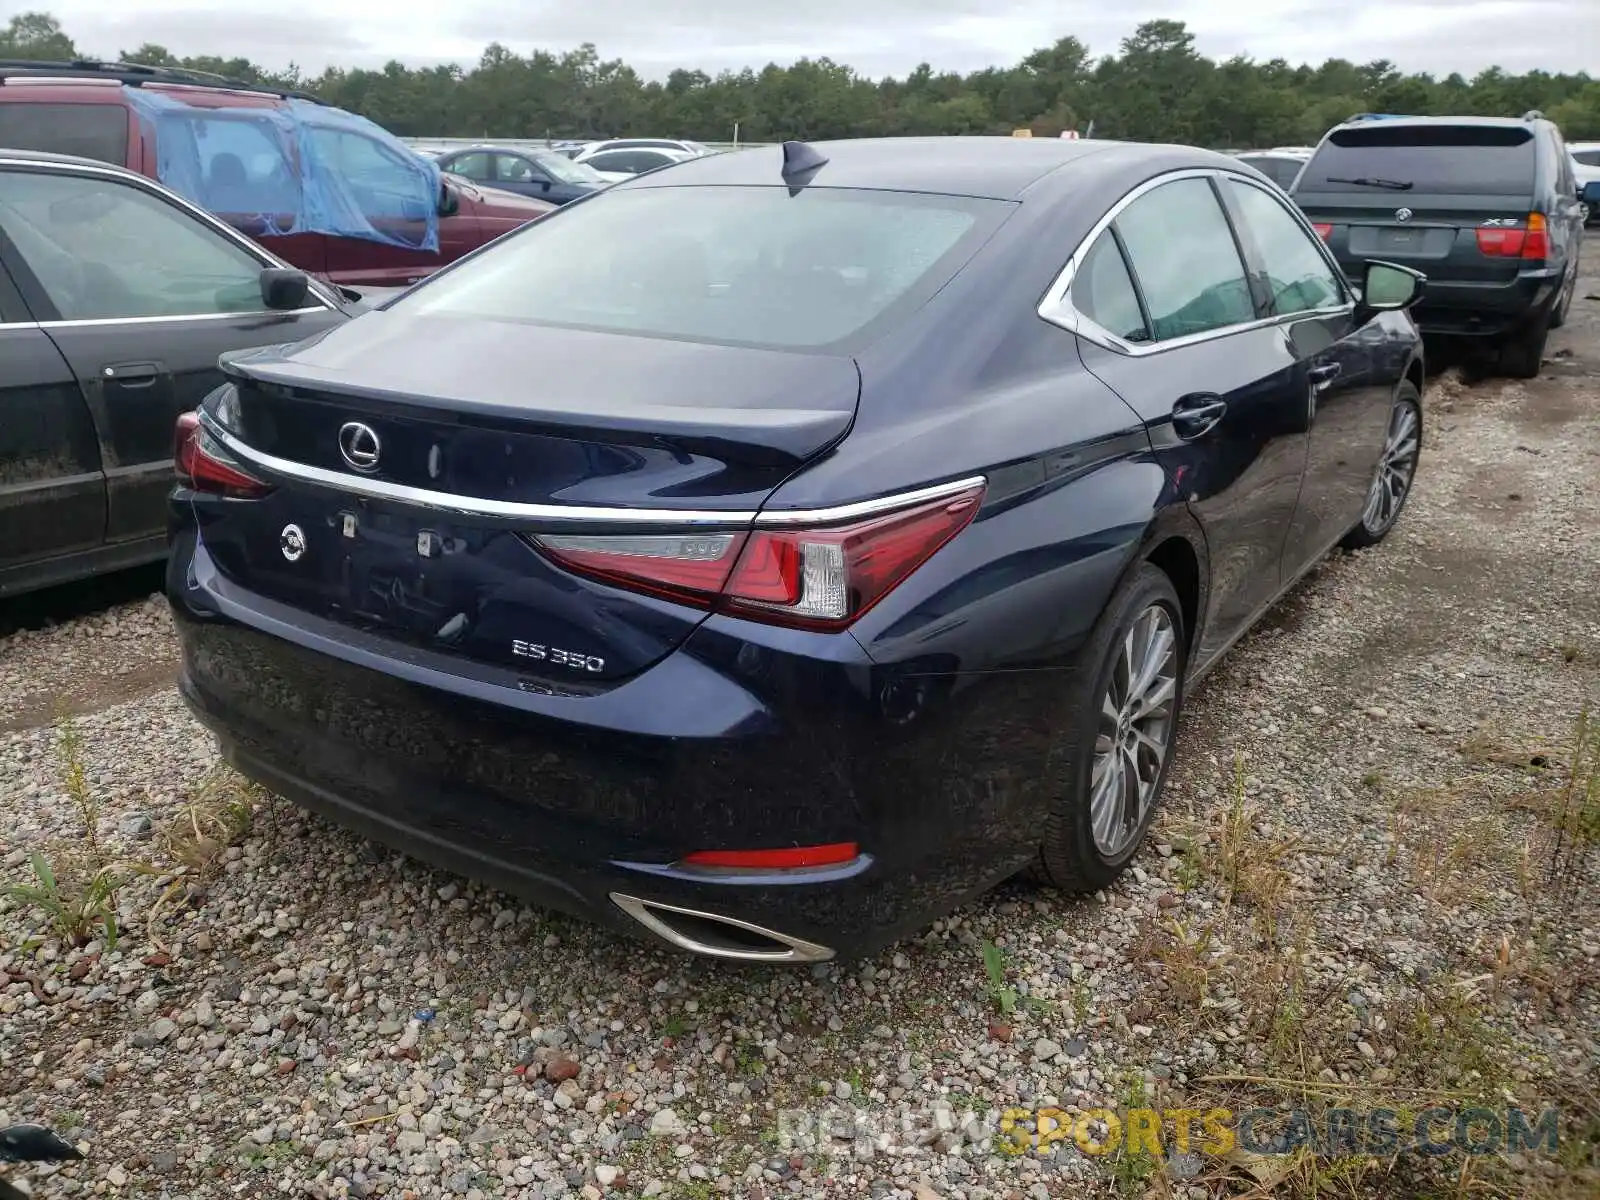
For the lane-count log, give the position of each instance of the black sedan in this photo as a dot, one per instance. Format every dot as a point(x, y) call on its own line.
point(786, 577)
point(116, 297)
point(543, 174)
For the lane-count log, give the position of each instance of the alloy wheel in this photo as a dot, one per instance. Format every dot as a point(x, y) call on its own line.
point(1396, 469)
point(1135, 731)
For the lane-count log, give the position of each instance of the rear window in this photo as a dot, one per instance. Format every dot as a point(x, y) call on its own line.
point(98, 131)
point(738, 265)
point(1589, 158)
point(1472, 159)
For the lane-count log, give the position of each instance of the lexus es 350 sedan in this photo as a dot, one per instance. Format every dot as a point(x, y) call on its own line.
point(775, 583)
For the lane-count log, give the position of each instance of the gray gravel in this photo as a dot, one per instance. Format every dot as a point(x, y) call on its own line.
point(320, 1017)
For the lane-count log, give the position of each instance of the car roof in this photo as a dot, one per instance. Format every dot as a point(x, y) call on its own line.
point(69, 160)
point(1478, 122)
point(998, 168)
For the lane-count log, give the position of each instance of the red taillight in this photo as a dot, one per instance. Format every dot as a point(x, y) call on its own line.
point(1533, 242)
point(1501, 243)
point(1537, 243)
point(1324, 231)
point(202, 466)
point(775, 860)
point(819, 578)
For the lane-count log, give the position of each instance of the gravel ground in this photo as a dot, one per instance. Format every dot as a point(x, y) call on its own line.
point(1356, 891)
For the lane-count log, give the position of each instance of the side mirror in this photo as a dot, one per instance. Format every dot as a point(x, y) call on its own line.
point(283, 290)
point(1591, 193)
point(544, 185)
point(1388, 287)
point(449, 202)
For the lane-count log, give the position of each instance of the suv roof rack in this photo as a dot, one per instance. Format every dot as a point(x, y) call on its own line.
point(1533, 114)
point(137, 74)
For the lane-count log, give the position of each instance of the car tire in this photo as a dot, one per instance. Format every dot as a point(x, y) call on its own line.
point(1396, 471)
point(1522, 354)
point(1085, 847)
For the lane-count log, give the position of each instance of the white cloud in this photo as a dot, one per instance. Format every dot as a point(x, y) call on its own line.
point(878, 37)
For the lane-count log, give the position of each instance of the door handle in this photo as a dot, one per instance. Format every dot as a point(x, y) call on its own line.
point(1324, 373)
point(131, 374)
point(1196, 415)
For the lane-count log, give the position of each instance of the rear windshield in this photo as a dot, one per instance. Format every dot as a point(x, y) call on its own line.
point(740, 265)
point(1472, 159)
point(1589, 158)
point(98, 131)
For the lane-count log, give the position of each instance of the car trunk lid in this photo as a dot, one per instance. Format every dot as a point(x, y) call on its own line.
point(413, 459)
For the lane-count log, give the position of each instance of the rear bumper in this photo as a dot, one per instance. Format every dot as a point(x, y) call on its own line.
point(1464, 309)
point(571, 801)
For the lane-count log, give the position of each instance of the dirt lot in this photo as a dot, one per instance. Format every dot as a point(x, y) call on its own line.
point(1373, 888)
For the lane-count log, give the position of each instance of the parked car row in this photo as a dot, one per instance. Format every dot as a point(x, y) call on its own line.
point(361, 210)
point(1491, 209)
point(779, 580)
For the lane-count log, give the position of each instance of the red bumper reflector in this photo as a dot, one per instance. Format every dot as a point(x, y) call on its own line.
point(776, 860)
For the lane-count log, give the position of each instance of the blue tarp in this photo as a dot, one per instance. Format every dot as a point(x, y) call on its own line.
point(294, 167)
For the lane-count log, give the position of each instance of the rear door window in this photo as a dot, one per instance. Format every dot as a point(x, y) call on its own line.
point(1495, 160)
point(471, 166)
point(1589, 158)
point(1188, 267)
point(98, 131)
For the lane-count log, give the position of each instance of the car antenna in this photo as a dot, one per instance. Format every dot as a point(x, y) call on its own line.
point(800, 163)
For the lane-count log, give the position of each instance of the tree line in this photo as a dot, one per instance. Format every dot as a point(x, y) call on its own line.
point(1157, 87)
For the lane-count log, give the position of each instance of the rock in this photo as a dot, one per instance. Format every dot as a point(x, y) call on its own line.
point(999, 1031)
point(666, 1123)
point(163, 1029)
point(1044, 1049)
point(560, 1069)
point(605, 1175)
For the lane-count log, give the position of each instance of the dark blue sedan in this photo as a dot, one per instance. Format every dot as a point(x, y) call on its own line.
point(778, 580)
point(542, 174)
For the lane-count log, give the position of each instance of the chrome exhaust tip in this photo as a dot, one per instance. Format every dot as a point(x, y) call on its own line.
point(717, 936)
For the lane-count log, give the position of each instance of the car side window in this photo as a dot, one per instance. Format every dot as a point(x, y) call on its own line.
point(1298, 276)
point(1185, 261)
point(1103, 291)
point(513, 168)
point(473, 166)
point(101, 250)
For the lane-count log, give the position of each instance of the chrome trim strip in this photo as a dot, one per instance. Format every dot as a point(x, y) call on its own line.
point(838, 514)
point(469, 506)
point(1056, 306)
point(799, 950)
point(511, 510)
point(134, 179)
point(87, 322)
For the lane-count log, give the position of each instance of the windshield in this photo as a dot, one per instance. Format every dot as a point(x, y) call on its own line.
point(738, 265)
point(1451, 159)
point(564, 170)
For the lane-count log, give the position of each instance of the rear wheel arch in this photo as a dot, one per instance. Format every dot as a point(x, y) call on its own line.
point(1176, 558)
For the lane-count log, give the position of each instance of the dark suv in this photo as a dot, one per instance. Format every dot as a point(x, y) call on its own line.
point(1487, 207)
point(325, 190)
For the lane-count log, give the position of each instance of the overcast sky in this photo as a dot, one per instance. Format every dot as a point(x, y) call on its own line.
point(876, 36)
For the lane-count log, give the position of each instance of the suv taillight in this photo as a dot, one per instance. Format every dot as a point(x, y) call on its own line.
point(204, 466)
point(1531, 242)
point(813, 578)
point(1323, 231)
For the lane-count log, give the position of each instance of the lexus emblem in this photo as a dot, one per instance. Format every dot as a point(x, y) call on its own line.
point(292, 541)
point(359, 446)
point(1403, 214)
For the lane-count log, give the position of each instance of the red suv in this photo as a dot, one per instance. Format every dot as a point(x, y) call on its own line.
point(328, 191)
